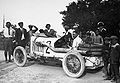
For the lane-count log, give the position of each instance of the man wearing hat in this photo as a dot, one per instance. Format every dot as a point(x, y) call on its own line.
point(115, 58)
point(8, 33)
point(106, 56)
point(21, 35)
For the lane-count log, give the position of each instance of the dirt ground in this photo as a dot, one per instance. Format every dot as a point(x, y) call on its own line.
point(35, 72)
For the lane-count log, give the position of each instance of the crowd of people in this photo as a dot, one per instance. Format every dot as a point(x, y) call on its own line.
point(111, 56)
point(19, 36)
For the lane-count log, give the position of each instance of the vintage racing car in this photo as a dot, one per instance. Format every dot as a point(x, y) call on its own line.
point(74, 62)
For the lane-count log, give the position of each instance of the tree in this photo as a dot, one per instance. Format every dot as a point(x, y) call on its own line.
point(87, 13)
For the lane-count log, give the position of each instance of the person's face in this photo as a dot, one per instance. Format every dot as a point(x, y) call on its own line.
point(30, 27)
point(21, 25)
point(113, 41)
point(8, 25)
point(48, 27)
point(97, 32)
point(107, 41)
point(74, 35)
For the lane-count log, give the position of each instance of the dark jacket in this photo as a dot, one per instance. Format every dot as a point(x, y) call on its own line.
point(106, 52)
point(18, 35)
point(115, 55)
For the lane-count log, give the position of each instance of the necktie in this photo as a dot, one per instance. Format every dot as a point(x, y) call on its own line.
point(22, 31)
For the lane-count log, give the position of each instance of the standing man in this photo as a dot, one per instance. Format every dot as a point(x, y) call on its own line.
point(106, 57)
point(21, 35)
point(8, 33)
point(102, 30)
point(32, 29)
point(115, 58)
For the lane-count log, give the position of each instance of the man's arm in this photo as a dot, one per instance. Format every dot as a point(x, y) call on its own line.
point(2, 33)
point(33, 31)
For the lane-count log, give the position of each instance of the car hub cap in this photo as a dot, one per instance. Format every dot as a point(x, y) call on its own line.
point(19, 56)
point(73, 64)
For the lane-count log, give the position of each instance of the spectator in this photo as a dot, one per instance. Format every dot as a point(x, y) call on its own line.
point(102, 30)
point(98, 39)
point(88, 39)
point(49, 32)
point(32, 30)
point(21, 35)
point(106, 56)
point(115, 59)
point(8, 33)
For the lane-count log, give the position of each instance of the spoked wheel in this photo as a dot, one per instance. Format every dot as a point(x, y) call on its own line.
point(73, 64)
point(20, 56)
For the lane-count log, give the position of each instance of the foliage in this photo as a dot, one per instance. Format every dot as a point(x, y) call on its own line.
point(87, 13)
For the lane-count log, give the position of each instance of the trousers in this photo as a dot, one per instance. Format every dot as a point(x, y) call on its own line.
point(114, 70)
point(8, 47)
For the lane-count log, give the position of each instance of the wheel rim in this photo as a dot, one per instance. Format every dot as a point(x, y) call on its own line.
point(73, 64)
point(19, 56)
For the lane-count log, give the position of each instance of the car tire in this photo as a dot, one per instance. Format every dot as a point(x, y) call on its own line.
point(20, 56)
point(69, 64)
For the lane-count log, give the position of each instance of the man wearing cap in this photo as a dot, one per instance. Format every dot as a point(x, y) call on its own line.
point(106, 56)
point(8, 33)
point(21, 35)
point(115, 58)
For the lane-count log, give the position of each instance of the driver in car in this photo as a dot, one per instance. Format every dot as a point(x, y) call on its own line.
point(76, 40)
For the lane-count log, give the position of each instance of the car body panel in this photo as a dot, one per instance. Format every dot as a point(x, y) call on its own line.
point(48, 50)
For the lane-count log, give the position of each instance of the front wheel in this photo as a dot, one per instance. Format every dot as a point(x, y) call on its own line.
point(73, 64)
point(20, 56)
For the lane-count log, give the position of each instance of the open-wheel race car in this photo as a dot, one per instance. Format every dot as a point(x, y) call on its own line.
point(74, 62)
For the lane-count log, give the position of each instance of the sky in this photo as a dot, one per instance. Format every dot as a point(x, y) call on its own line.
point(35, 12)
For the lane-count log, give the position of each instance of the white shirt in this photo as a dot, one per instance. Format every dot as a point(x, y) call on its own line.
point(6, 34)
point(77, 41)
point(23, 37)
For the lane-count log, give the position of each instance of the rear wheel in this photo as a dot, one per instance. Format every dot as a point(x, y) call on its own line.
point(20, 56)
point(73, 64)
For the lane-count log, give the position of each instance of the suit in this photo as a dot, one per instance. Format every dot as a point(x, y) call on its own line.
point(114, 60)
point(21, 37)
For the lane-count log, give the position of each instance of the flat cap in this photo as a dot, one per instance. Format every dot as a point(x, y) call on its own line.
point(114, 37)
point(107, 38)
